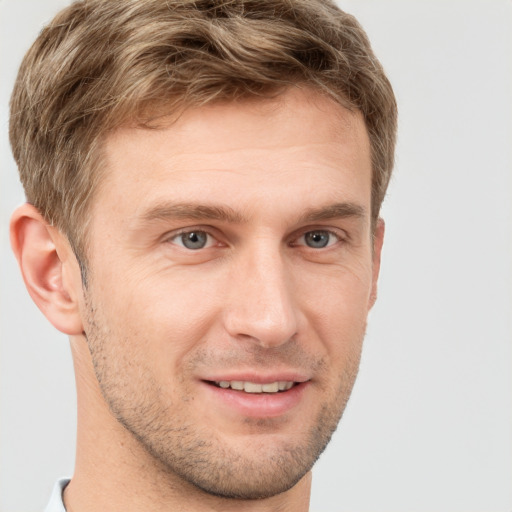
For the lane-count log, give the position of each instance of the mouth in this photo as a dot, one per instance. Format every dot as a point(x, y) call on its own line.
point(254, 387)
point(258, 397)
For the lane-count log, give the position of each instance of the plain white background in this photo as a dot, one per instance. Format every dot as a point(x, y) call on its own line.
point(429, 425)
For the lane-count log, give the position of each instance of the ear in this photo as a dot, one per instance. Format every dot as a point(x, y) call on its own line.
point(378, 240)
point(49, 268)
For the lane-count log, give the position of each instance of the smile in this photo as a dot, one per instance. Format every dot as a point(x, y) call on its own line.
point(255, 396)
point(254, 387)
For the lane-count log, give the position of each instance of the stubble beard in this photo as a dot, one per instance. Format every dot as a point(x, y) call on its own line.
point(193, 453)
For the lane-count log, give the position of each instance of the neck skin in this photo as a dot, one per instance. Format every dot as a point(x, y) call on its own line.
point(113, 472)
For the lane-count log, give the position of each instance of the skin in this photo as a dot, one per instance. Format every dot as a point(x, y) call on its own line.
point(158, 320)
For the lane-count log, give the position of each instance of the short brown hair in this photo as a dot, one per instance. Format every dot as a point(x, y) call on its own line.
point(102, 63)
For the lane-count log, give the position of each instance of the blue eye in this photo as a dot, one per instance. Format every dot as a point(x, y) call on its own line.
point(319, 239)
point(193, 240)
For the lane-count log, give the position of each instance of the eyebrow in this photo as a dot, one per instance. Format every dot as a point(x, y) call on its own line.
point(334, 211)
point(193, 211)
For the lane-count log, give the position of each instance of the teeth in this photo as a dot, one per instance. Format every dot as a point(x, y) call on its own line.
point(270, 388)
point(253, 387)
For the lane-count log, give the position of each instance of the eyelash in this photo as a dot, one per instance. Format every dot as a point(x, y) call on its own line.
point(180, 234)
point(332, 235)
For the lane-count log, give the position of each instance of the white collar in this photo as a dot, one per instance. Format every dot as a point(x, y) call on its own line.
point(56, 503)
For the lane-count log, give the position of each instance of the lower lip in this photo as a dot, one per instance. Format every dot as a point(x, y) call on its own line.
point(257, 405)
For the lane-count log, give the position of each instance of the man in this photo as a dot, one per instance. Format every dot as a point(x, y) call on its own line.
point(204, 182)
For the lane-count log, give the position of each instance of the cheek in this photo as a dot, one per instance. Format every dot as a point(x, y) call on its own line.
point(158, 317)
point(337, 293)
point(335, 305)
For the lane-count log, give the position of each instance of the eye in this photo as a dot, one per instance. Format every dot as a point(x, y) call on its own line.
point(193, 240)
point(318, 239)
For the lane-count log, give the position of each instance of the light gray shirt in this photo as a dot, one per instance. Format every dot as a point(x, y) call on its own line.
point(56, 504)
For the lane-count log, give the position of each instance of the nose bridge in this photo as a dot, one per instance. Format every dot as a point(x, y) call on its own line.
point(261, 305)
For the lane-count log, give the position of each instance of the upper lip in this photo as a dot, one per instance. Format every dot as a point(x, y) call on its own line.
point(257, 378)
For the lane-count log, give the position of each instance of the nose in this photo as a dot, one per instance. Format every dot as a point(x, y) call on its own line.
point(260, 307)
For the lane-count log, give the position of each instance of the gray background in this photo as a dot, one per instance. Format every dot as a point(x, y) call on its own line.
point(429, 426)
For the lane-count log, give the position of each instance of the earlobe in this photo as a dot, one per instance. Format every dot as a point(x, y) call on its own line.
point(46, 262)
point(378, 240)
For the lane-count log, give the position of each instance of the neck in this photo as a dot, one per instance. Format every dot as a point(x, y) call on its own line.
point(114, 472)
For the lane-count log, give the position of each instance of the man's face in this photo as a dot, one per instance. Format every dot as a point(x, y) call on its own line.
point(231, 273)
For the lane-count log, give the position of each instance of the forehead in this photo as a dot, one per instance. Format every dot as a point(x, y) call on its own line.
point(244, 150)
